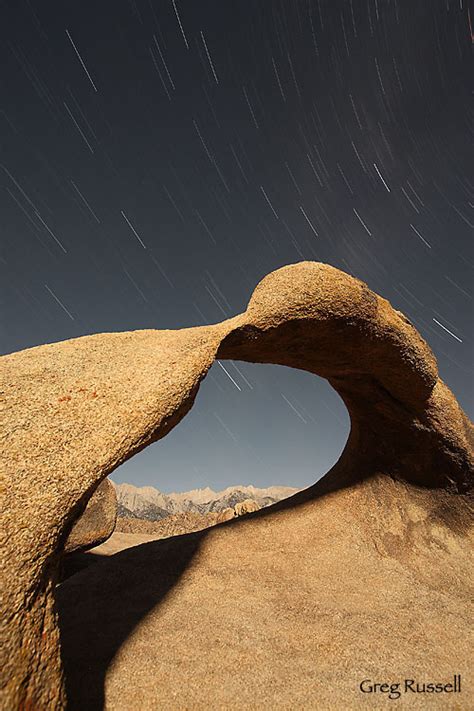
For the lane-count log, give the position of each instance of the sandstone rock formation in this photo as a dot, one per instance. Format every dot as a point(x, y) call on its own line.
point(389, 525)
point(240, 509)
point(283, 610)
point(97, 523)
point(245, 507)
point(188, 522)
point(226, 515)
point(174, 525)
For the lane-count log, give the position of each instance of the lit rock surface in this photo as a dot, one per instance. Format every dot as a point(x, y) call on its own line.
point(283, 610)
point(226, 515)
point(363, 575)
point(97, 523)
point(245, 507)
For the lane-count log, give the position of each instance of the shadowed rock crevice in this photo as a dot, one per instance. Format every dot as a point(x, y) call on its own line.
point(78, 409)
point(114, 613)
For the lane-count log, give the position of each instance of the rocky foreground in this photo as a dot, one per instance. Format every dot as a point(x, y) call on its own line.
point(175, 525)
point(181, 523)
point(282, 609)
point(130, 532)
point(364, 576)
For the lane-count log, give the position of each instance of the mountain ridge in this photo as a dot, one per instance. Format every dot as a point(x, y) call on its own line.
point(152, 504)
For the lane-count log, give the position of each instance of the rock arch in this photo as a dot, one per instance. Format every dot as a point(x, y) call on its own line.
point(76, 410)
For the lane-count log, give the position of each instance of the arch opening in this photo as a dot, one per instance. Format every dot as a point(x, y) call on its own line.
point(257, 424)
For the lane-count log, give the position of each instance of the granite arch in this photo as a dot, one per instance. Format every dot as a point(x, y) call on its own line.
point(81, 407)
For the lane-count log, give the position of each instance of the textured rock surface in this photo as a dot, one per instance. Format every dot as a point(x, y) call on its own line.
point(373, 560)
point(226, 515)
point(279, 610)
point(245, 507)
point(174, 525)
point(97, 523)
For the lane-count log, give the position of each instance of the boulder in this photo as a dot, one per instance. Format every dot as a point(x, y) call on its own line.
point(97, 523)
point(225, 515)
point(245, 507)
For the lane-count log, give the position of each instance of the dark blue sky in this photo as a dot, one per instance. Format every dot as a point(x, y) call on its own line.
point(159, 158)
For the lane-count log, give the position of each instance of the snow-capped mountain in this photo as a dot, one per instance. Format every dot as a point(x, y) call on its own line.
point(150, 503)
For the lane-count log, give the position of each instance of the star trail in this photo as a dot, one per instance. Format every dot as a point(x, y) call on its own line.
point(159, 157)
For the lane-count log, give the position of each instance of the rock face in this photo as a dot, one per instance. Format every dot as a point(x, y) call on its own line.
point(97, 523)
point(226, 515)
point(245, 507)
point(174, 525)
point(185, 522)
point(392, 518)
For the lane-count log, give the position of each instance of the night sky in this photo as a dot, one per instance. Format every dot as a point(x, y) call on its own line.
point(159, 157)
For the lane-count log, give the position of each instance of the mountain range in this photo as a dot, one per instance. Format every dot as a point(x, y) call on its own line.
point(148, 503)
